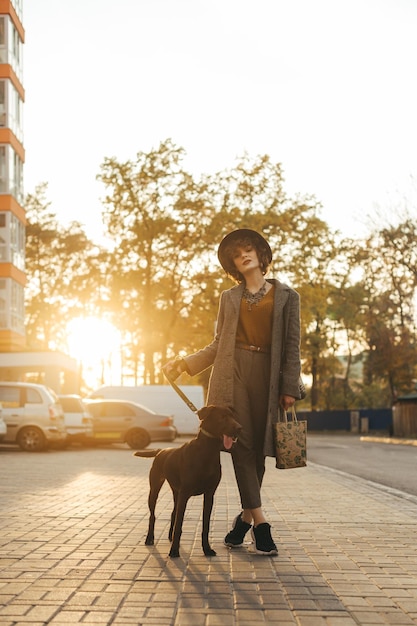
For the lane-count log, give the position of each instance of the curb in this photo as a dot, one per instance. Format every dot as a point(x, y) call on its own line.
point(392, 440)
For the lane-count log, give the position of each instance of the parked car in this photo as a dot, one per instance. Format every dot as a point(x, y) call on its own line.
point(33, 416)
point(117, 421)
point(78, 419)
point(157, 398)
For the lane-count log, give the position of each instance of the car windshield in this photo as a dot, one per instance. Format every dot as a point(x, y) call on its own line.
point(145, 408)
point(125, 403)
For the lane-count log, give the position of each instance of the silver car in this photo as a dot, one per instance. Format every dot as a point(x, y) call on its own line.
point(121, 421)
point(33, 416)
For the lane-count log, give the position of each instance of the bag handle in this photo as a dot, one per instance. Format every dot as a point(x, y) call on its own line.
point(293, 415)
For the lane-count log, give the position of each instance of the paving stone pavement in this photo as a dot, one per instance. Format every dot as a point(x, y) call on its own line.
point(73, 525)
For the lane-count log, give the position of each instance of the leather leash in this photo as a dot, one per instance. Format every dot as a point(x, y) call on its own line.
point(180, 392)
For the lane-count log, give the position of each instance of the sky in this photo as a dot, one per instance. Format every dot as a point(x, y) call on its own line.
point(327, 88)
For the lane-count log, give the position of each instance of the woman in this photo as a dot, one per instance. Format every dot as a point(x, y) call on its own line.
point(256, 367)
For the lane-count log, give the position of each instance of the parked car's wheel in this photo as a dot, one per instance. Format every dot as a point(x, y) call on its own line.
point(138, 439)
point(31, 439)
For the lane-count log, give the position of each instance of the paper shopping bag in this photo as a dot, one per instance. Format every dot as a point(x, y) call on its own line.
point(290, 442)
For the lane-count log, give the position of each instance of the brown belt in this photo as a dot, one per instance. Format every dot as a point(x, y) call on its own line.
point(245, 346)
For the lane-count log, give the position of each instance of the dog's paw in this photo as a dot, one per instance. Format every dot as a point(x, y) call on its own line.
point(149, 541)
point(210, 552)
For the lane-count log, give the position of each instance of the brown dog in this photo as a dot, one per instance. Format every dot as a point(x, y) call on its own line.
point(191, 470)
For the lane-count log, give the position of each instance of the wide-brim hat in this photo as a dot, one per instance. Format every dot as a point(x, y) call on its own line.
point(241, 233)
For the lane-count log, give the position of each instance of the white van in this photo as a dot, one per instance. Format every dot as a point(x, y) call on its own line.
point(33, 416)
point(161, 399)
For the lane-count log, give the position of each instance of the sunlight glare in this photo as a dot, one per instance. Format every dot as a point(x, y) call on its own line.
point(95, 343)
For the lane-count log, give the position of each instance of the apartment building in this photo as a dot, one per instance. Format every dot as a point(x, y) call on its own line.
point(17, 362)
point(12, 156)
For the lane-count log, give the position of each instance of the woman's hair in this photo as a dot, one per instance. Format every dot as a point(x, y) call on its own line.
point(242, 242)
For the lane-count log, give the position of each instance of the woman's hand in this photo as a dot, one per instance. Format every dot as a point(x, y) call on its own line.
point(174, 368)
point(286, 402)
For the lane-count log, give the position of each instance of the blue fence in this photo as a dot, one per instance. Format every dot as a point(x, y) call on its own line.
point(378, 419)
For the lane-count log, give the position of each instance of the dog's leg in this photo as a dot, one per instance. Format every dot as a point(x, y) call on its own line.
point(156, 481)
point(173, 514)
point(180, 507)
point(207, 508)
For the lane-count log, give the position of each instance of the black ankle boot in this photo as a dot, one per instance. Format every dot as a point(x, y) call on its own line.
point(234, 538)
point(264, 544)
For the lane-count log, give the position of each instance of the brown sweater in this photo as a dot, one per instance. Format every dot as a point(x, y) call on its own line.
point(255, 325)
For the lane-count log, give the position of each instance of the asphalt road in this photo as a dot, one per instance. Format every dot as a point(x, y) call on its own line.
point(388, 464)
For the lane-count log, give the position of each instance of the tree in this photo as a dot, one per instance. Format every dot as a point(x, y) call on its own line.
point(59, 263)
point(155, 212)
point(390, 282)
point(166, 228)
point(160, 282)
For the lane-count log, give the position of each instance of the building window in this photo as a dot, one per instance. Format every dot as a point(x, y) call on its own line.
point(17, 308)
point(11, 306)
point(14, 48)
point(4, 187)
point(3, 304)
point(11, 107)
point(3, 48)
point(12, 240)
point(15, 175)
point(4, 238)
point(10, 45)
point(15, 111)
point(11, 172)
point(3, 105)
point(17, 242)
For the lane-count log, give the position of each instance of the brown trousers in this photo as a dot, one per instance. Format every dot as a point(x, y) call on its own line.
point(251, 387)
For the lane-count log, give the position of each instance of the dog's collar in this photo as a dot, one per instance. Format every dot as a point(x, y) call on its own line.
point(207, 434)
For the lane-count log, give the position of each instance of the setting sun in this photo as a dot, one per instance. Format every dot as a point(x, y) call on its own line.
point(95, 343)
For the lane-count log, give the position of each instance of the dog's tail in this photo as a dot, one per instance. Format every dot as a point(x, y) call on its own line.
point(147, 453)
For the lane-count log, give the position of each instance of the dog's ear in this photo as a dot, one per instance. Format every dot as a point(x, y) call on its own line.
point(204, 412)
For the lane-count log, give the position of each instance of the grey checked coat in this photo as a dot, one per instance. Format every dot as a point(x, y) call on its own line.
point(220, 352)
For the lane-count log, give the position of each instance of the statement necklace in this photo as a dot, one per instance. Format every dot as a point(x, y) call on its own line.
point(254, 298)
